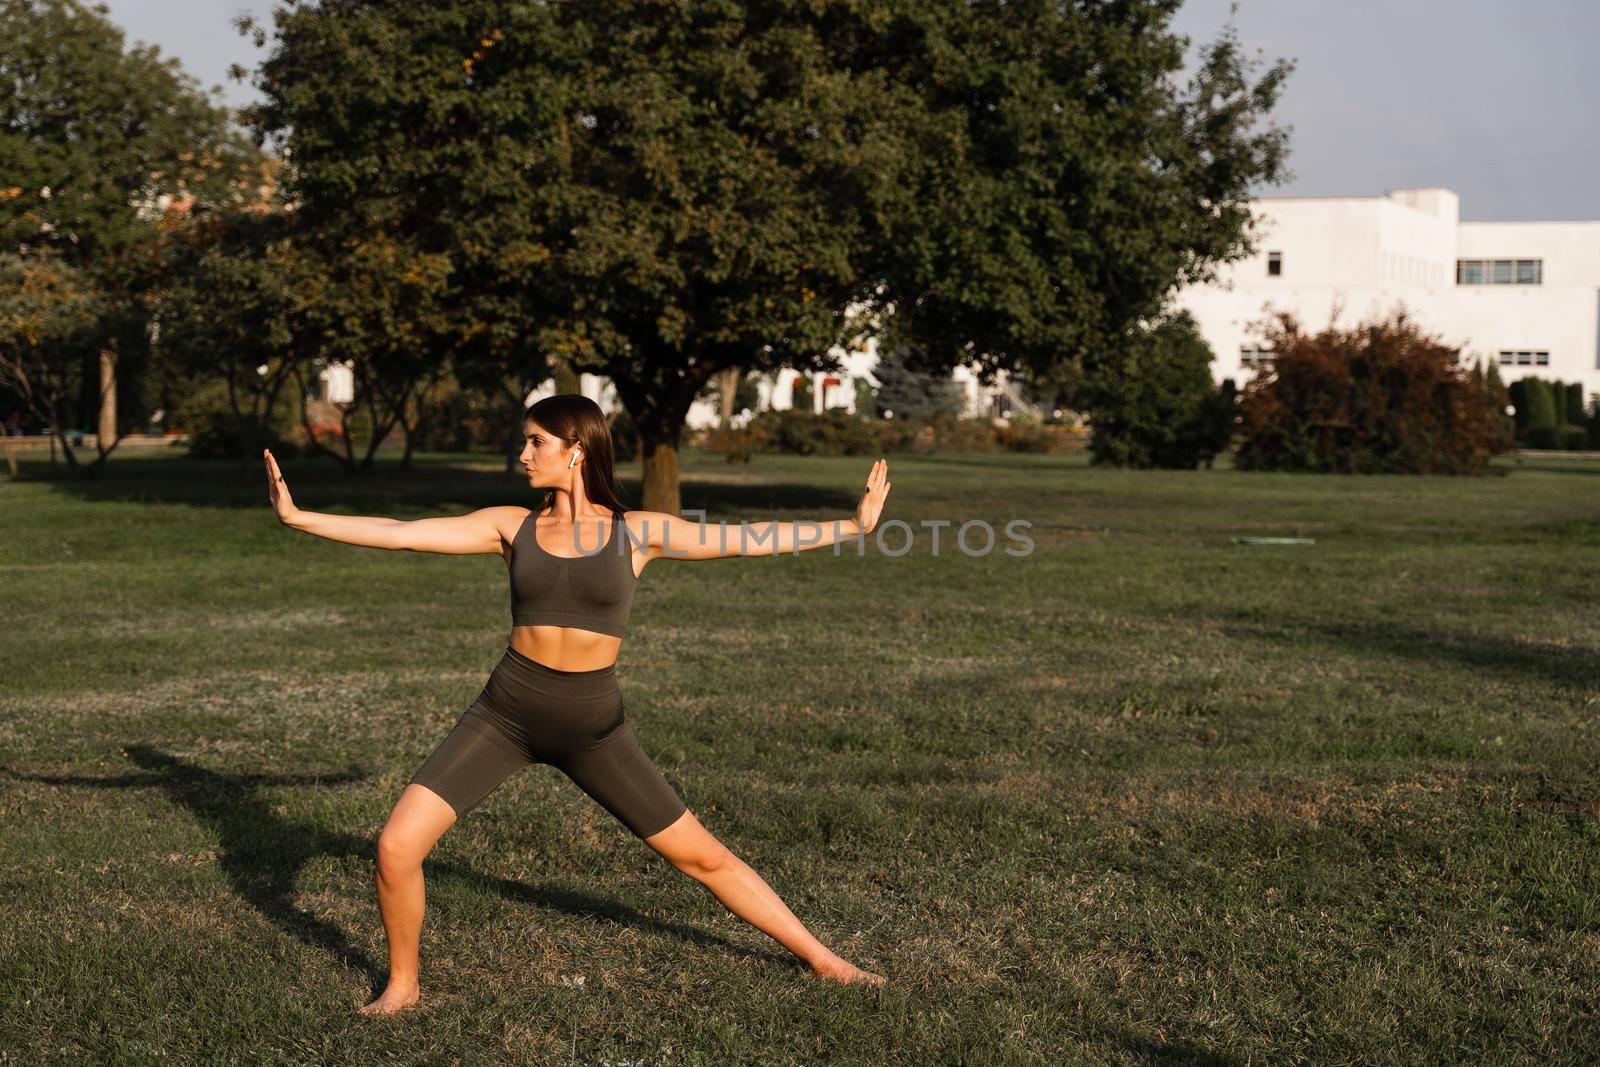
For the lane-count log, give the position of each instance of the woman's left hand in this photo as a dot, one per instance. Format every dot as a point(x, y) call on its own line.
point(878, 486)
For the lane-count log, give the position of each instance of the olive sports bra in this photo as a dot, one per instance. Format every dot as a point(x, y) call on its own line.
point(593, 591)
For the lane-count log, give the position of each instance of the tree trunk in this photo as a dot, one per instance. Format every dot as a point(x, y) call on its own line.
point(728, 384)
point(108, 399)
point(567, 381)
point(659, 432)
point(661, 477)
point(411, 434)
point(658, 419)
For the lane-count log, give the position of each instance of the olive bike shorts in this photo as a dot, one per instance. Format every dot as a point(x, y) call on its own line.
point(530, 713)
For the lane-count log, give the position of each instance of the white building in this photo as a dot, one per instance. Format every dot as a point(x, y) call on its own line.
point(1524, 295)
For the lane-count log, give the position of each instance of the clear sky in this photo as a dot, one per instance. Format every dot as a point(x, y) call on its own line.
point(1492, 98)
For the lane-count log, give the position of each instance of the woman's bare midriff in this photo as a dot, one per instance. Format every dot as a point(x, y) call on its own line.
point(566, 648)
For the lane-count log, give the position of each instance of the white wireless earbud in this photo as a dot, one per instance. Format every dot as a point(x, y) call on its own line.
point(571, 461)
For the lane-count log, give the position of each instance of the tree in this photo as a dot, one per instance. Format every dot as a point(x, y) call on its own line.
point(47, 320)
point(93, 141)
point(242, 295)
point(1160, 406)
point(1065, 181)
point(384, 318)
point(1497, 398)
point(1542, 417)
point(910, 393)
point(658, 192)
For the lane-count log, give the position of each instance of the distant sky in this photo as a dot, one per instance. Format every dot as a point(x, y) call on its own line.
point(1493, 99)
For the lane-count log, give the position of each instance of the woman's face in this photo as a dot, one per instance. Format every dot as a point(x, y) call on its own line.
point(545, 456)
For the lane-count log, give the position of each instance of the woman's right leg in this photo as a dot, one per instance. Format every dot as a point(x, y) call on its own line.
point(468, 765)
point(418, 820)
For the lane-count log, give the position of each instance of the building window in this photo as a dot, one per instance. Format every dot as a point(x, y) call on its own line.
point(1499, 272)
point(1254, 356)
point(1274, 264)
point(1524, 359)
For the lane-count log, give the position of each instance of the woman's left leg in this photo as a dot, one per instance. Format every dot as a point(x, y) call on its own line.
point(689, 847)
point(617, 773)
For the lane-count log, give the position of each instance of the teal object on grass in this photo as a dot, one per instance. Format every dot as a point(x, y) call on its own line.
point(1273, 541)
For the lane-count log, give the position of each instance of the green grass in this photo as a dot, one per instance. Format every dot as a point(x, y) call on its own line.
point(1143, 795)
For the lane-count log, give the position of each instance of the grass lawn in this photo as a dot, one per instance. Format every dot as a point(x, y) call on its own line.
point(1142, 795)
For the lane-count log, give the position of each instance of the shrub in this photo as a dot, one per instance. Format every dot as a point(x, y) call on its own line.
point(1026, 432)
point(1159, 406)
point(1572, 412)
point(839, 433)
point(805, 433)
point(215, 432)
point(735, 443)
point(1571, 437)
point(1540, 398)
point(955, 435)
point(459, 419)
point(1378, 398)
point(1566, 437)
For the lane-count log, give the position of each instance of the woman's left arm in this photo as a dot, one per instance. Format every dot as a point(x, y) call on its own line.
point(671, 537)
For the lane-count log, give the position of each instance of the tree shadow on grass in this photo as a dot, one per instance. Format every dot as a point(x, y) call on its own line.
point(431, 487)
point(262, 854)
point(1575, 667)
point(722, 498)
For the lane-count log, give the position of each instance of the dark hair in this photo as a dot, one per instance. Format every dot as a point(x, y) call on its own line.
point(576, 419)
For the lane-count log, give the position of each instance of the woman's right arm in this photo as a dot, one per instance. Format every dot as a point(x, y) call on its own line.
point(453, 534)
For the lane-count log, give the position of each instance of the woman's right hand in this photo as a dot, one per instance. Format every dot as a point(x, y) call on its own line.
point(282, 502)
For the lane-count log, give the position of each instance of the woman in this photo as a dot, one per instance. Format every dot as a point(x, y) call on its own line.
point(553, 698)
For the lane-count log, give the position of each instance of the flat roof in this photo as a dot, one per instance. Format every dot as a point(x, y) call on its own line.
point(1390, 197)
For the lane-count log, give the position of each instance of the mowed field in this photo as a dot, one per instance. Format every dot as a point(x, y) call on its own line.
point(1141, 795)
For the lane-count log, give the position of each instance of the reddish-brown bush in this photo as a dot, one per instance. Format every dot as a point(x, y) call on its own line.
point(1381, 397)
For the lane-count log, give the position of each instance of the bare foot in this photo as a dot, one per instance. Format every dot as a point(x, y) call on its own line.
point(398, 995)
point(845, 972)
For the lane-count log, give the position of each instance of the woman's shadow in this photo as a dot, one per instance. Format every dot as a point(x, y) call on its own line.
point(262, 853)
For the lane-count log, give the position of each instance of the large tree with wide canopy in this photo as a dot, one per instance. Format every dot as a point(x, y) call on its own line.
point(656, 191)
